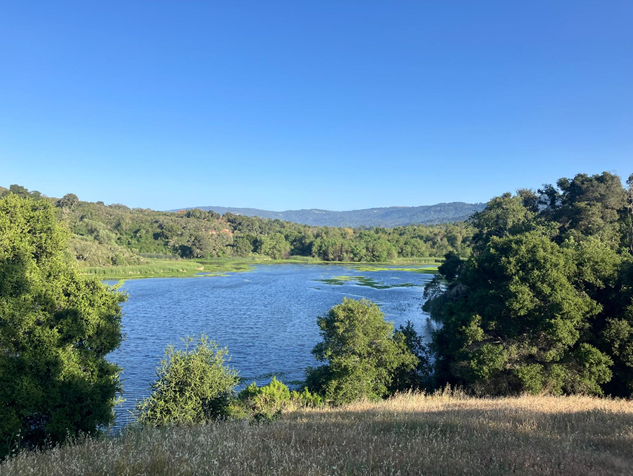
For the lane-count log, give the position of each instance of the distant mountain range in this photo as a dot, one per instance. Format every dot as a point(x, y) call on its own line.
point(371, 217)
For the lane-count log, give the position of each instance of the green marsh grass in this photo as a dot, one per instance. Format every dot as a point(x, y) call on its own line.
point(161, 268)
point(166, 269)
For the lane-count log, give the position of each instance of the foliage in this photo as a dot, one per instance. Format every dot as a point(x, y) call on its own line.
point(361, 352)
point(590, 206)
point(267, 402)
point(276, 246)
point(115, 235)
point(545, 303)
point(56, 328)
point(192, 385)
point(419, 377)
point(306, 399)
point(503, 216)
point(451, 267)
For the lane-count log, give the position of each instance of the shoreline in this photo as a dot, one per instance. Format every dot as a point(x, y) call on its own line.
point(155, 268)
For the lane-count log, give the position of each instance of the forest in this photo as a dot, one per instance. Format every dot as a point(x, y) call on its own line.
point(114, 235)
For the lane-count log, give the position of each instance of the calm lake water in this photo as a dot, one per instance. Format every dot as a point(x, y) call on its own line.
point(266, 317)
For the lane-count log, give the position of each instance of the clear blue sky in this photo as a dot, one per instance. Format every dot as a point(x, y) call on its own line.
point(336, 104)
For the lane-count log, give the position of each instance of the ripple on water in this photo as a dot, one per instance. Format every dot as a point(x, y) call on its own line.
point(267, 320)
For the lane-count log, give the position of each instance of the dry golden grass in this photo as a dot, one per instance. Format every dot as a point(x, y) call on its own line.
point(443, 434)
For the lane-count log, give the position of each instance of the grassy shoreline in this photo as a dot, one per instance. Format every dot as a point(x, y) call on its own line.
point(157, 268)
point(443, 434)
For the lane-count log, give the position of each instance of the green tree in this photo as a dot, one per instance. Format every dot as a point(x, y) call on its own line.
point(381, 250)
point(520, 326)
point(19, 190)
point(503, 216)
point(196, 213)
point(56, 328)
point(275, 246)
point(361, 354)
point(243, 245)
point(590, 205)
point(68, 201)
point(451, 266)
point(192, 385)
point(417, 378)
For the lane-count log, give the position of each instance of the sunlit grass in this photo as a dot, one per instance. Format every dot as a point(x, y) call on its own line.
point(165, 269)
point(161, 268)
point(409, 435)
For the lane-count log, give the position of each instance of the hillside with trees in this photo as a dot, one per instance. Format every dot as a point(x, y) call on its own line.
point(542, 306)
point(114, 235)
point(370, 217)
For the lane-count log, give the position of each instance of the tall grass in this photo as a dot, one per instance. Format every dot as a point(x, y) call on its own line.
point(167, 269)
point(444, 434)
point(153, 268)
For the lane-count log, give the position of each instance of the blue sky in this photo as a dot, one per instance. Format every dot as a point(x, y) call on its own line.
point(336, 104)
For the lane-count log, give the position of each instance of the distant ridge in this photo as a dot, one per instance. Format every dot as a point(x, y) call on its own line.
point(371, 217)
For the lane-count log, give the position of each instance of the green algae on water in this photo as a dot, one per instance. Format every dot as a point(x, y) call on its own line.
point(363, 281)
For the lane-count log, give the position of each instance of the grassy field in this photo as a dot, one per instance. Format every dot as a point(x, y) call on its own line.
point(408, 435)
point(156, 268)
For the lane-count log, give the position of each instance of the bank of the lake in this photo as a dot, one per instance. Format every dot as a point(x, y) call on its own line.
point(266, 316)
point(161, 268)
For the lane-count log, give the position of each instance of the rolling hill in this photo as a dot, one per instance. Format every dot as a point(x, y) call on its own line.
point(371, 217)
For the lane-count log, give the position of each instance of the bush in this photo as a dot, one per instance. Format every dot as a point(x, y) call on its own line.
point(268, 402)
point(362, 355)
point(306, 398)
point(192, 386)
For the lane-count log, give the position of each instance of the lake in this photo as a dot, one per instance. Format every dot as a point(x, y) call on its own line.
point(266, 317)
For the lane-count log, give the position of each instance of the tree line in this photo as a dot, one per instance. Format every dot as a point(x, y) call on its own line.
point(111, 235)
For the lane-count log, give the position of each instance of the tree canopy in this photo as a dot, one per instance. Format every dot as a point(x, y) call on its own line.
point(545, 303)
point(361, 353)
point(56, 327)
point(112, 235)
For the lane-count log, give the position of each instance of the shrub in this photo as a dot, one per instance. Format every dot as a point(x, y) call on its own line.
point(193, 385)
point(306, 398)
point(269, 401)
